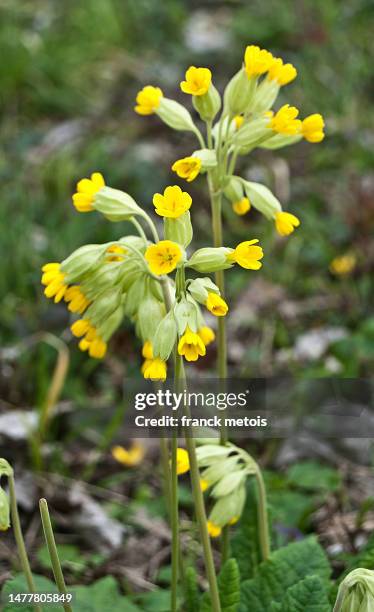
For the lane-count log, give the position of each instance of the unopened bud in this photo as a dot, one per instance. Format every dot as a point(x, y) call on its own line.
point(116, 205)
point(186, 314)
point(210, 260)
point(239, 93)
point(165, 337)
point(179, 230)
point(201, 287)
point(150, 314)
point(262, 199)
point(82, 261)
point(175, 115)
point(208, 104)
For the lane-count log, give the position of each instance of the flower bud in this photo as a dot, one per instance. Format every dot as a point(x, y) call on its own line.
point(150, 314)
point(356, 592)
point(239, 93)
point(179, 229)
point(116, 205)
point(207, 157)
point(251, 134)
point(265, 96)
point(234, 189)
point(103, 305)
point(201, 287)
point(277, 141)
point(210, 260)
point(228, 507)
point(208, 104)
point(109, 326)
point(4, 511)
point(165, 337)
point(186, 315)
point(262, 199)
point(135, 294)
point(82, 261)
point(175, 115)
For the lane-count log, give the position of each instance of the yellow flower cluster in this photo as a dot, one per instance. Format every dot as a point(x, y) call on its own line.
point(86, 191)
point(90, 338)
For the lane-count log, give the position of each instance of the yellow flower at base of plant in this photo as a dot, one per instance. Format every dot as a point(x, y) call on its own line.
point(285, 122)
point(173, 204)
point(187, 168)
point(257, 61)
point(183, 461)
point(131, 457)
point(343, 265)
point(54, 281)
point(312, 128)
point(204, 484)
point(154, 369)
point(247, 255)
point(86, 189)
point(163, 257)
point(148, 100)
point(282, 73)
point(213, 530)
point(238, 120)
point(191, 346)
point(206, 334)
point(76, 299)
point(285, 223)
point(216, 305)
point(197, 81)
point(241, 207)
point(118, 253)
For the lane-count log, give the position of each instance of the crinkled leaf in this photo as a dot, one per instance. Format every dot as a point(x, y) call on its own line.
point(308, 595)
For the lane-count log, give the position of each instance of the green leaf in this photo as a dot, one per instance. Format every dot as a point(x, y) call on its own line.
point(101, 595)
point(308, 595)
point(18, 584)
point(154, 601)
point(229, 586)
point(192, 590)
point(244, 543)
point(69, 556)
point(314, 476)
point(285, 568)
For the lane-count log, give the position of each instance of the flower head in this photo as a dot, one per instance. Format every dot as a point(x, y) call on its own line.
point(163, 257)
point(76, 299)
point(54, 281)
point(285, 223)
point(312, 128)
point(148, 100)
point(206, 334)
point(183, 461)
point(154, 369)
point(197, 81)
point(343, 264)
point(213, 530)
point(282, 73)
point(191, 345)
point(187, 168)
point(285, 122)
point(86, 190)
point(216, 305)
point(257, 61)
point(247, 254)
point(130, 457)
point(173, 203)
point(241, 207)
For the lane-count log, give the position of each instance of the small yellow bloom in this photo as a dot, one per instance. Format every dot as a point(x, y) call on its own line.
point(216, 305)
point(282, 73)
point(54, 281)
point(257, 61)
point(343, 265)
point(197, 81)
point(76, 299)
point(183, 461)
point(206, 334)
point(118, 251)
point(80, 328)
point(173, 203)
point(97, 348)
point(285, 122)
point(163, 257)
point(247, 254)
point(241, 207)
point(147, 350)
point(86, 190)
point(131, 457)
point(148, 100)
point(213, 530)
point(204, 484)
point(239, 120)
point(91, 342)
point(187, 168)
point(285, 223)
point(154, 369)
point(234, 520)
point(191, 345)
point(312, 128)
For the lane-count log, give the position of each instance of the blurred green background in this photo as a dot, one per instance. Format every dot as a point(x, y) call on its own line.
point(69, 74)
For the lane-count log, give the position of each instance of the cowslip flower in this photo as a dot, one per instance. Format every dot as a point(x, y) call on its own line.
point(191, 345)
point(86, 190)
point(285, 122)
point(148, 100)
point(343, 264)
point(118, 253)
point(216, 305)
point(285, 223)
point(206, 334)
point(187, 168)
point(163, 257)
point(183, 461)
point(312, 128)
point(91, 342)
point(77, 301)
point(54, 281)
point(241, 207)
point(131, 457)
point(247, 255)
point(173, 204)
point(154, 369)
point(257, 61)
point(213, 530)
point(282, 73)
point(197, 81)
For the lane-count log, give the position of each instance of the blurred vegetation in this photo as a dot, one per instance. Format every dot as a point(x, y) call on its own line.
point(68, 78)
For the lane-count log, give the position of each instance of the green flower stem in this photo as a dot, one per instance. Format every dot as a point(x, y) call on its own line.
point(262, 512)
point(25, 563)
point(174, 524)
point(52, 549)
point(139, 228)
